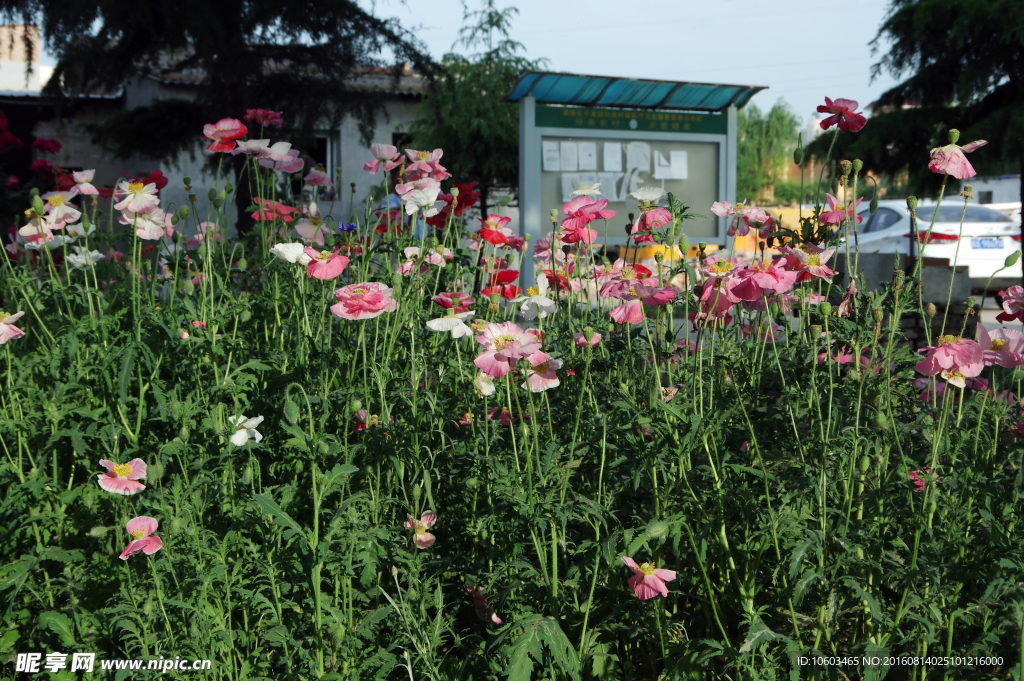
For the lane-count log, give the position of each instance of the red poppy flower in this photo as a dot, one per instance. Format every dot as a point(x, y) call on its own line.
point(507, 291)
point(42, 167)
point(467, 197)
point(842, 115)
point(47, 145)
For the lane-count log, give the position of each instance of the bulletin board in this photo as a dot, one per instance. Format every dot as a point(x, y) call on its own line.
point(689, 170)
point(691, 155)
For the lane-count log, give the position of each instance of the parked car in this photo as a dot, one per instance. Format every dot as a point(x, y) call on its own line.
point(987, 238)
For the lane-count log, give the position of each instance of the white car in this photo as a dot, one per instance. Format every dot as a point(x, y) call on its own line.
point(987, 238)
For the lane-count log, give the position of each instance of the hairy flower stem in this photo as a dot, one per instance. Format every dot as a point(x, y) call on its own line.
point(952, 276)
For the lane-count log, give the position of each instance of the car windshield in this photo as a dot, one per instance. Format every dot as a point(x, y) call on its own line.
point(953, 213)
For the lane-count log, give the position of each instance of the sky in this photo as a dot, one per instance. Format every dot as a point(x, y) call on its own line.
point(802, 50)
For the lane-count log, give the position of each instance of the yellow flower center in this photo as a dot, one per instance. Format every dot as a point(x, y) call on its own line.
point(56, 201)
point(542, 367)
point(139, 534)
point(814, 260)
point(136, 187)
point(374, 420)
point(324, 256)
point(646, 568)
point(632, 291)
point(721, 266)
point(358, 292)
point(468, 416)
point(628, 273)
point(503, 341)
point(122, 470)
point(948, 340)
point(422, 155)
point(998, 343)
point(3, 316)
point(533, 291)
point(421, 529)
point(584, 189)
point(840, 206)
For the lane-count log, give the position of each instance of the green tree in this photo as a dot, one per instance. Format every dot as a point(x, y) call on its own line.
point(297, 57)
point(962, 66)
point(765, 146)
point(463, 110)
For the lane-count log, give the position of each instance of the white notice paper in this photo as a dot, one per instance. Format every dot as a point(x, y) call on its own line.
point(588, 155)
point(570, 156)
point(638, 155)
point(662, 167)
point(552, 159)
point(612, 157)
point(567, 185)
point(610, 185)
point(679, 166)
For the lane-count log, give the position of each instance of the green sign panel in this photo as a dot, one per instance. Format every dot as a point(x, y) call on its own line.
point(591, 118)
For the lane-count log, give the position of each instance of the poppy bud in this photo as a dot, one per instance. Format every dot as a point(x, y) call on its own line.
point(187, 179)
point(825, 308)
point(526, 238)
point(930, 310)
point(218, 202)
point(845, 167)
point(877, 314)
point(684, 244)
point(815, 330)
point(355, 405)
point(291, 411)
point(174, 220)
point(455, 191)
point(188, 287)
point(798, 156)
point(495, 297)
point(37, 204)
point(98, 531)
point(229, 188)
point(1012, 259)
point(659, 257)
point(775, 309)
point(155, 471)
point(242, 264)
point(246, 315)
point(353, 184)
point(247, 475)
point(702, 245)
point(657, 529)
point(588, 333)
point(554, 216)
point(865, 463)
point(954, 135)
point(971, 302)
point(184, 433)
point(525, 429)
point(857, 165)
point(417, 492)
point(898, 279)
point(212, 194)
point(912, 203)
point(882, 421)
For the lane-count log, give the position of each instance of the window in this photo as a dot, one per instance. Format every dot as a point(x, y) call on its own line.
point(884, 219)
point(953, 213)
point(867, 218)
point(984, 197)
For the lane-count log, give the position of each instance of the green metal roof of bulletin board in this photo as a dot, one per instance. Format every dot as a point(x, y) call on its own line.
point(632, 93)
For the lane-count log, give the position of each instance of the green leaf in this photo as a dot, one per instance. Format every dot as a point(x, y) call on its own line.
point(124, 376)
point(60, 624)
point(283, 519)
point(757, 634)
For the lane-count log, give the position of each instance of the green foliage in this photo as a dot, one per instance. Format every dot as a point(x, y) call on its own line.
point(463, 110)
point(765, 146)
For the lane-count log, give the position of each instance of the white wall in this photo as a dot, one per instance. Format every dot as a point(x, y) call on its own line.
point(1005, 189)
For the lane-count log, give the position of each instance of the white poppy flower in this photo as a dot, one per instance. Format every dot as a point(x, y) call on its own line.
point(292, 253)
point(592, 191)
point(452, 323)
point(245, 430)
point(80, 259)
point(484, 384)
point(648, 194)
point(536, 302)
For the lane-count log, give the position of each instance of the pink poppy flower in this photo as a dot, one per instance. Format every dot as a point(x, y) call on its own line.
point(457, 302)
point(583, 210)
point(759, 219)
point(273, 210)
point(83, 182)
point(635, 295)
point(483, 611)
point(721, 266)
point(650, 219)
point(426, 164)
point(141, 530)
point(950, 160)
point(919, 478)
point(254, 147)
point(1003, 347)
point(842, 357)
point(540, 375)
point(648, 581)
point(311, 230)
point(503, 344)
point(363, 301)
point(137, 197)
point(724, 209)
point(814, 263)
point(716, 299)
point(580, 339)
point(318, 178)
point(423, 539)
point(224, 133)
point(325, 264)
point(503, 415)
point(542, 251)
point(843, 115)
point(1013, 305)
point(8, 331)
point(760, 278)
point(121, 478)
point(838, 212)
point(954, 358)
point(264, 117)
point(384, 155)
